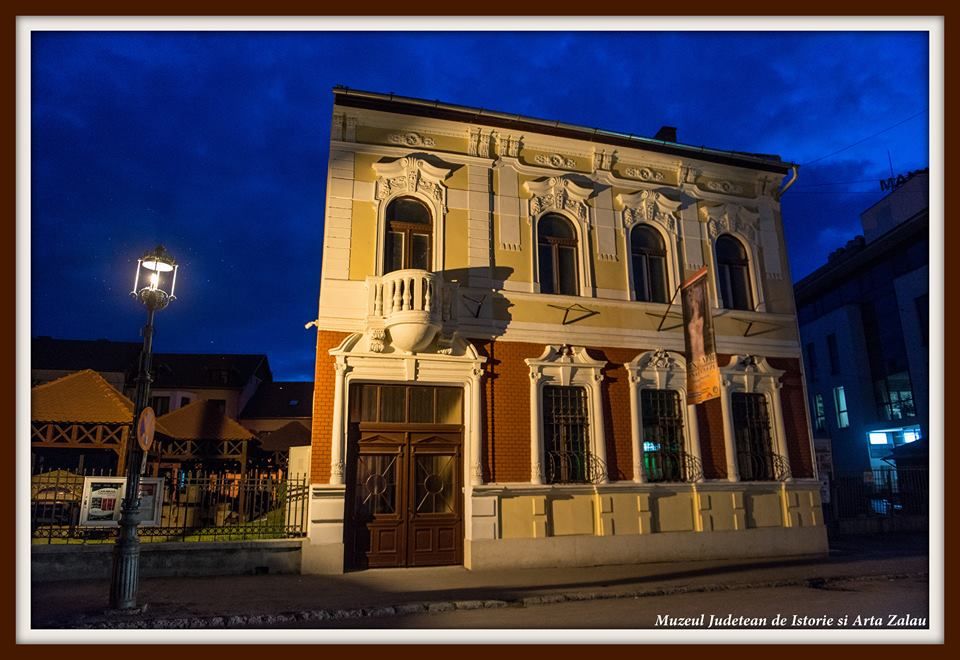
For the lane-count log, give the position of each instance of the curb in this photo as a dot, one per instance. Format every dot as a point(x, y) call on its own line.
point(434, 607)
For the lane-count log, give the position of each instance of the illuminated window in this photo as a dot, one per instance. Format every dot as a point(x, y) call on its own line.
point(840, 403)
point(557, 255)
point(819, 414)
point(649, 261)
point(663, 452)
point(733, 275)
point(409, 235)
point(911, 436)
point(877, 438)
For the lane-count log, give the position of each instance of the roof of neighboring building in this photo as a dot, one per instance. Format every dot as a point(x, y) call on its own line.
point(280, 399)
point(858, 254)
point(291, 434)
point(202, 420)
point(424, 108)
point(83, 397)
point(170, 370)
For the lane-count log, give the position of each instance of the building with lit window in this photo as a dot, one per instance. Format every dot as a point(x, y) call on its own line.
point(864, 320)
point(501, 377)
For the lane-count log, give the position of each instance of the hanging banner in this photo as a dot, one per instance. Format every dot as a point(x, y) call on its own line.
point(703, 372)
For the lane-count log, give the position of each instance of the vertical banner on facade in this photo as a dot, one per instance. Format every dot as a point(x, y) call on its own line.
point(703, 372)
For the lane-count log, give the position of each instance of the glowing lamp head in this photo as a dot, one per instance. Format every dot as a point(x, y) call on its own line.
point(159, 276)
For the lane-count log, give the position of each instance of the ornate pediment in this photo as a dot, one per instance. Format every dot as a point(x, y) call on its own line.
point(730, 218)
point(558, 194)
point(658, 369)
point(650, 206)
point(411, 175)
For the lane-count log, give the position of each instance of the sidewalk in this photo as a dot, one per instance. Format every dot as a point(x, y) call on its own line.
point(241, 601)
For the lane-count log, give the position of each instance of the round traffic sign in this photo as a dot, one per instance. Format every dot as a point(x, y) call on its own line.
point(145, 427)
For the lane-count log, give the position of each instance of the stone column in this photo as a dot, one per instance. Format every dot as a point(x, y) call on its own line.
point(536, 425)
point(729, 440)
point(476, 428)
point(337, 427)
point(600, 441)
point(636, 429)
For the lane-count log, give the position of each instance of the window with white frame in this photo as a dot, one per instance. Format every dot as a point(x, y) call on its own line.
point(409, 235)
point(567, 441)
point(566, 435)
point(664, 454)
point(756, 439)
point(648, 256)
point(733, 274)
point(557, 255)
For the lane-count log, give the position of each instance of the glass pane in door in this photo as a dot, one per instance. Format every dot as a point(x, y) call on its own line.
point(376, 484)
point(435, 483)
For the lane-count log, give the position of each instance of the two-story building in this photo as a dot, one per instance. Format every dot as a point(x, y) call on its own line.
point(501, 377)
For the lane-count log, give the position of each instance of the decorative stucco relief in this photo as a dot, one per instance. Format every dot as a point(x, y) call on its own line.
point(558, 194)
point(650, 206)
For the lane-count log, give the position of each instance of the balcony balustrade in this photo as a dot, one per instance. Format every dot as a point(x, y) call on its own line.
point(412, 305)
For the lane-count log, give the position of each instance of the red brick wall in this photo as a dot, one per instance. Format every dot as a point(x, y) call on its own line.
point(506, 433)
point(713, 451)
point(323, 406)
point(616, 410)
point(506, 415)
point(794, 417)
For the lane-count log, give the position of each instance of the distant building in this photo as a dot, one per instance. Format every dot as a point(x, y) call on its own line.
point(237, 390)
point(501, 373)
point(864, 325)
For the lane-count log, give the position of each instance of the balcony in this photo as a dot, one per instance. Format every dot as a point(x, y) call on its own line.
point(411, 305)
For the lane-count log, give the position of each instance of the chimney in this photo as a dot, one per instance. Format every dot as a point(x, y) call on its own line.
point(667, 134)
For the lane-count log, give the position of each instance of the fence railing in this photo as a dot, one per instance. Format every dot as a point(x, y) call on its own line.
point(882, 492)
point(570, 467)
point(196, 506)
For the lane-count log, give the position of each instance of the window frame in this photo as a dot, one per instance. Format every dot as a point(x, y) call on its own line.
point(645, 254)
point(842, 412)
point(722, 275)
point(407, 230)
point(556, 244)
point(566, 365)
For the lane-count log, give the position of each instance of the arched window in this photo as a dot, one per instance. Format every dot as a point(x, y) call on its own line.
point(649, 259)
point(409, 235)
point(557, 253)
point(733, 275)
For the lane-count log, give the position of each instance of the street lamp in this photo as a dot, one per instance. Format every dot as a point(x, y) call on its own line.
point(153, 285)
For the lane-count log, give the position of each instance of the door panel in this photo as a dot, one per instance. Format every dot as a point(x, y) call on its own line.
point(405, 496)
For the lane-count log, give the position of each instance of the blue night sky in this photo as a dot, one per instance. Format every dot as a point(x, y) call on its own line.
point(216, 145)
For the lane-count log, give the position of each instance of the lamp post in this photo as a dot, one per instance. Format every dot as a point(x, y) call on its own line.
point(153, 285)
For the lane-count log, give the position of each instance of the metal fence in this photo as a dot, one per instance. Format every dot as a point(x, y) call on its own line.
point(887, 492)
point(195, 506)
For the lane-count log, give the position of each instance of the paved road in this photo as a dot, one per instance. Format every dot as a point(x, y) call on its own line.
point(864, 598)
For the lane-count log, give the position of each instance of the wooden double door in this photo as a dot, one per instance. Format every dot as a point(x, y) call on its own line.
point(405, 494)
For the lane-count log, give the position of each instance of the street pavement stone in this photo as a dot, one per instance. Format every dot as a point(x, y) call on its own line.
point(275, 600)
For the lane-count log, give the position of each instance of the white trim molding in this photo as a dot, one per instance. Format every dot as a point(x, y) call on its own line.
point(565, 197)
point(659, 370)
point(743, 224)
point(565, 366)
point(412, 176)
point(457, 363)
point(752, 375)
point(656, 210)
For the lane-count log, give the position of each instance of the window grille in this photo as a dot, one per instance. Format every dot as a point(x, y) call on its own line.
point(664, 458)
point(756, 460)
point(566, 436)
